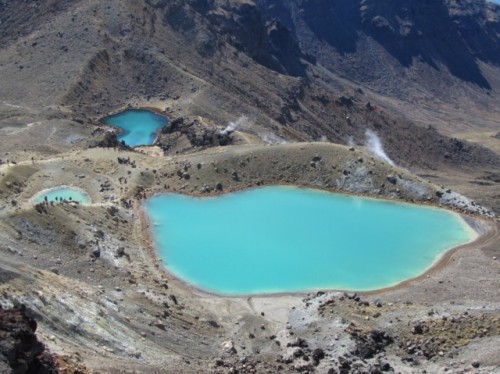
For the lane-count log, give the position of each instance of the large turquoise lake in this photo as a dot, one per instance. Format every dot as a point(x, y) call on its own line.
point(286, 239)
point(138, 126)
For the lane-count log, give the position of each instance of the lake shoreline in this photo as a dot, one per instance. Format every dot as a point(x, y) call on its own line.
point(124, 131)
point(485, 230)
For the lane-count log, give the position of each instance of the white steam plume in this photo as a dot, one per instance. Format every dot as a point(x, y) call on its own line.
point(269, 137)
point(350, 141)
point(241, 122)
point(374, 144)
point(246, 124)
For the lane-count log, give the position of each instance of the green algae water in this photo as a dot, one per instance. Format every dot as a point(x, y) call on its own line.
point(62, 193)
point(138, 126)
point(285, 239)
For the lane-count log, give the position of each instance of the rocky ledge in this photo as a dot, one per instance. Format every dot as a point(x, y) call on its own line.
point(20, 350)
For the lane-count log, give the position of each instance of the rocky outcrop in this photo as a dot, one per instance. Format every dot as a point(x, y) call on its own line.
point(106, 139)
point(369, 343)
point(20, 350)
point(185, 133)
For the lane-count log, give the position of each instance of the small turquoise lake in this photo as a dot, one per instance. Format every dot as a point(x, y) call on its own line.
point(138, 126)
point(286, 239)
point(59, 194)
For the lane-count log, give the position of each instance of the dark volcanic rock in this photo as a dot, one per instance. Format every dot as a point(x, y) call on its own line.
point(107, 139)
point(369, 343)
point(317, 355)
point(20, 350)
point(198, 132)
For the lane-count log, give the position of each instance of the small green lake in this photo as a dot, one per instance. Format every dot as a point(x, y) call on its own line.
point(285, 239)
point(138, 126)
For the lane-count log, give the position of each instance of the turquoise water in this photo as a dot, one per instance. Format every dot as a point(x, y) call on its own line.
point(64, 193)
point(285, 239)
point(138, 126)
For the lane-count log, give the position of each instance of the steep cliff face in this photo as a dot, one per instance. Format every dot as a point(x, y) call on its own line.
point(408, 33)
point(448, 36)
point(383, 44)
point(479, 25)
point(239, 24)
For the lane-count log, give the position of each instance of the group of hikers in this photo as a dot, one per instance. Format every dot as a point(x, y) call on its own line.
point(8, 162)
point(57, 199)
point(125, 161)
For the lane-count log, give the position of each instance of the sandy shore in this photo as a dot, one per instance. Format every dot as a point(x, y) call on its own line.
point(489, 235)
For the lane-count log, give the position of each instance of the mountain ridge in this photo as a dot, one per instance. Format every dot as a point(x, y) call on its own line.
point(226, 59)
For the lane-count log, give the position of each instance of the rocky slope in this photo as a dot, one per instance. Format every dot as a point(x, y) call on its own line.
point(403, 49)
point(88, 276)
point(289, 69)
